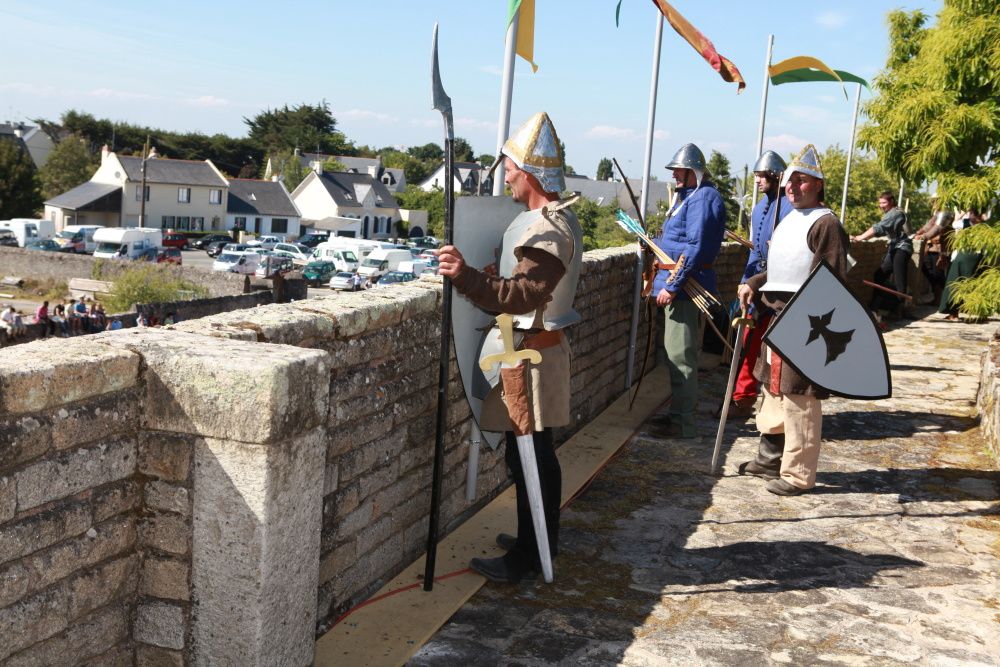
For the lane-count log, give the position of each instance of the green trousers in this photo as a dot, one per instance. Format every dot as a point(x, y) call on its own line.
point(680, 340)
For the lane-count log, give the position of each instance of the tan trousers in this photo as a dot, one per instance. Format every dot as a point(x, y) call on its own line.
point(800, 418)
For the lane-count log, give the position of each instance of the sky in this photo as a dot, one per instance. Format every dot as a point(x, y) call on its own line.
point(205, 66)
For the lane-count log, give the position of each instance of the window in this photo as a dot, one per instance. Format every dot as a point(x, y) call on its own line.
point(279, 225)
point(138, 189)
point(215, 196)
point(167, 222)
point(183, 222)
point(240, 223)
point(184, 195)
point(197, 224)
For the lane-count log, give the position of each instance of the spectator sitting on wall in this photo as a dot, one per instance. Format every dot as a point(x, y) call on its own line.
point(170, 318)
point(42, 317)
point(58, 318)
point(98, 319)
point(114, 324)
point(11, 323)
point(82, 315)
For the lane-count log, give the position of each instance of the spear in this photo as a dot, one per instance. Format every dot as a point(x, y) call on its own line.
point(442, 103)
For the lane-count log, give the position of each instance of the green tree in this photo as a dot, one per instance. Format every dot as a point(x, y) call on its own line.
point(429, 151)
point(463, 150)
point(415, 170)
point(148, 283)
point(288, 165)
point(718, 167)
point(414, 198)
point(333, 164)
point(936, 113)
point(20, 192)
point(304, 126)
point(70, 164)
point(486, 160)
point(604, 172)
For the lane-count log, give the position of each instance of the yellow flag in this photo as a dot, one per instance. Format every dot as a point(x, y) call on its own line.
point(525, 29)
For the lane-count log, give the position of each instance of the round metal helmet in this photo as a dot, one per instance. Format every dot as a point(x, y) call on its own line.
point(769, 162)
point(688, 156)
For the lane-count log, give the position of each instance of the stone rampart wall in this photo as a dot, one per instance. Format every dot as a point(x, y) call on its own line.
point(988, 399)
point(64, 266)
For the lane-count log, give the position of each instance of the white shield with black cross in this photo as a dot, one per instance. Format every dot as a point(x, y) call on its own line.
point(831, 338)
point(480, 223)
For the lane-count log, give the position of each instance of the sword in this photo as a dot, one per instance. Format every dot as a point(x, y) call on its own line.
point(741, 323)
point(442, 103)
point(886, 289)
point(514, 375)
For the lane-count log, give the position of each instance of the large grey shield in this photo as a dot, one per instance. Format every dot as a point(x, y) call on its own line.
point(829, 337)
point(480, 223)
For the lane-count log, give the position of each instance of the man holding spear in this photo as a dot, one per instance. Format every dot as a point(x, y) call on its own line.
point(535, 281)
point(692, 235)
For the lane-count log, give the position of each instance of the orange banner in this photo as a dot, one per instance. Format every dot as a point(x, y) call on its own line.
point(703, 45)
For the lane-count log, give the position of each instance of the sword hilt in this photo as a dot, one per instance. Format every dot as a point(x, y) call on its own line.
point(743, 320)
point(509, 357)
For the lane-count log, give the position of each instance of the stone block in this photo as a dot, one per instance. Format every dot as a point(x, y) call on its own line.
point(8, 499)
point(372, 455)
point(166, 532)
point(338, 560)
point(346, 435)
point(74, 471)
point(255, 565)
point(106, 416)
point(155, 656)
point(160, 624)
point(24, 437)
point(379, 478)
point(282, 323)
point(330, 481)
point(32, 620)
point(49, 373)
point(121, 655)
point(111, 581)
point(355, 521)
point(117, 499)
point(229, 389)
point(28, 535)
point(166, 455)
point(91, 637)
point(167, 497)
point(166, 578)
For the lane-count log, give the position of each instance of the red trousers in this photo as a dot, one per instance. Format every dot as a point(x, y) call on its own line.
point(746, 385)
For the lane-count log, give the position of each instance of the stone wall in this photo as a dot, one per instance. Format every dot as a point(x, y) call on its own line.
point(988, 399)
point(64, 266)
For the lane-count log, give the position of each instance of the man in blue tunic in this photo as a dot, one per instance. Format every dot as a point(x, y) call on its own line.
point(691, 236)
point(770, 209)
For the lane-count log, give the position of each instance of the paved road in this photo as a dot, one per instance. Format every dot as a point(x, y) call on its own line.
point(894, 559)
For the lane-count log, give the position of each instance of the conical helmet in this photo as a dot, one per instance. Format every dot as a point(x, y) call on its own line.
point(534, 147)
point(688, 156)
point(771, 163)
point(806, 162)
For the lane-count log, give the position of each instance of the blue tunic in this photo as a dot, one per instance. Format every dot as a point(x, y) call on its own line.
point(693, 230)
point(762, 221)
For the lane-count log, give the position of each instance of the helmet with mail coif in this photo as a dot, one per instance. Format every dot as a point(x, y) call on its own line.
point(806, 162)
point(690, 157)
point(534, 147)
point(769, 163)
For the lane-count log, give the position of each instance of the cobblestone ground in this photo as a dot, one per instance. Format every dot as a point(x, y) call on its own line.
point(893, 559)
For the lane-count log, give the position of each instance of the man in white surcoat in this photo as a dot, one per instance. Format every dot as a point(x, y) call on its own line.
point(790, 418)
point(535, 281)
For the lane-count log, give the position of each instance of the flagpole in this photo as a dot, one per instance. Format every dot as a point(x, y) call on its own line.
point(763, 114)
point(506, 92)
point(647, 166)
point(850, 156)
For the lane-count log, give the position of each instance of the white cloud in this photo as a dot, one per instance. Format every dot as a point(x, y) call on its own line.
point(832, 19)
point(209, 101)
point(783, 144)
point(425, 122)
point(475, 124)
point(660, 135)
point(609, 132)
point(365, 114)
point(120, 94)
point(27, 88)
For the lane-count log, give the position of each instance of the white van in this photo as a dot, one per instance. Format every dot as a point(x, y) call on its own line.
point(244, 263)
point(416, 267)
point(383, 260)
point(343, 257)
point(29, 229)
point(78, 237)
point(127, 242)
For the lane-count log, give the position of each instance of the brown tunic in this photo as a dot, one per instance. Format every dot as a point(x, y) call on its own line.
point(828, 241)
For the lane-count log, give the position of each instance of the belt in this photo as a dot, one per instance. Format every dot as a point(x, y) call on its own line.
point(660, 266)
point(541, 339)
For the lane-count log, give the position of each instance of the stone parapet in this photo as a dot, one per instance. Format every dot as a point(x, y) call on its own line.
point(988, 398)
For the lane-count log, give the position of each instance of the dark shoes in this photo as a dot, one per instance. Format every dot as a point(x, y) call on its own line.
point(739, 409)
point(780, 487)
point(502, 570)
point(757, 470)
point(506, 542)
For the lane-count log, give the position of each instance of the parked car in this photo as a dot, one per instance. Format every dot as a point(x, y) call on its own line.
point(214, 249)
point(267, 241)
point(342, 280)
point(174, 240)
point(274, 264)
point(318, 272)
point(237, 262)
point(205, 241)
point(169, 256)
point(396, 277)
point(297, 252)
point(45, 244)
point(313, 239)
point(7, 238)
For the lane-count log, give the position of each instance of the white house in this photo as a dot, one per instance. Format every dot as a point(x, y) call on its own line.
point(261, 207)
point(347, 204)
point(180, 194)
point(34, 139)
point(614, 193)
point(467, 179)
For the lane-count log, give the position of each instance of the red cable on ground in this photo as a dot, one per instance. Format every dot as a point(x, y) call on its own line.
point(465, 570)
